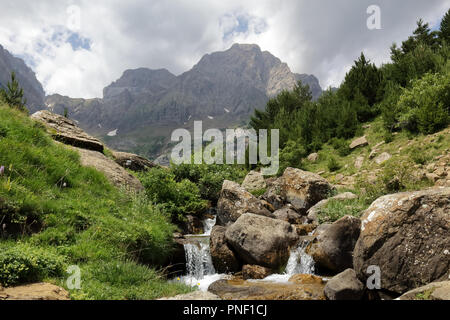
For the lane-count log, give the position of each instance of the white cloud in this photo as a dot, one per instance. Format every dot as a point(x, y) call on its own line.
point(318, 37)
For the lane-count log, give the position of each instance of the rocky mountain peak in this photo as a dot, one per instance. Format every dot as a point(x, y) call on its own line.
point(140, 80)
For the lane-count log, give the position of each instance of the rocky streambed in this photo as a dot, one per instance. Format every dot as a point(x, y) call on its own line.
point(272, 246)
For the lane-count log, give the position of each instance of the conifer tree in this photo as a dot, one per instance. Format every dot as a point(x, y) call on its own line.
point(445, 28)
point(13, 94)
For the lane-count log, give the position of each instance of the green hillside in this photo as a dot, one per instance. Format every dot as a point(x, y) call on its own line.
point(56, 213)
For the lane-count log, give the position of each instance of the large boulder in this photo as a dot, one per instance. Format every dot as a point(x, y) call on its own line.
point(299, 287)
point(34, 291)
point(432, 291)
point(261, 240)
point(304, 189)
point(132, 161)
point(66, 131)
point(333, 246)
point(254, 181)
point(407, 235)
point(223, 258)
point(344, 286)
point(117, 175)
point(235, 201)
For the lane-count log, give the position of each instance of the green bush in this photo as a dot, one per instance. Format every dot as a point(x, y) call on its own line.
point(425, 107)
point(341, 146)
point(178, 198)
point(209, 178)
point(291, 156)
point(333, 164)
point(22, 263)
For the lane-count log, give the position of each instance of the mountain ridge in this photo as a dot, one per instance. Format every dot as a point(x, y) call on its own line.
point(139, 110)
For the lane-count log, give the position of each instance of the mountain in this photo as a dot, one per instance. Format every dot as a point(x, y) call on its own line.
point(34, 93)
point(139, 111)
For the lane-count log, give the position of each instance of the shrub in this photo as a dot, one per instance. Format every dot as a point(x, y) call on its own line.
point(341, 146)
point(179, 198)
point(291, 156)
point(209, 178)
point(425, 107)
point(333, 164)
point(22, 263)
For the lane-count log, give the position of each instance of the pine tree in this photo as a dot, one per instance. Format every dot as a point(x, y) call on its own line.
point(13, 94)
point(445, 27)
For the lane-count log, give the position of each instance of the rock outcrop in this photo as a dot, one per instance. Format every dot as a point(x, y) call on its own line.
point(91, 150)
point(223, 258)
point(132, 161)
point(299, 287)
point(333, 246)
point(66, 131)
point(432, 291)
point(34, 291)
point(261, 240)
point(303, 189)
point(117, 175)
point(235, 201)
point(344, 286)
point(408, 236)
point(359, 142)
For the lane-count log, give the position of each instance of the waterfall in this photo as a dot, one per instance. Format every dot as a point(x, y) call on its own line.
point(198, 257)
point(299, 262)
point(200, 269)
point(208, 224)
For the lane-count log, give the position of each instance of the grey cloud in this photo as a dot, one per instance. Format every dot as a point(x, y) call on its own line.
point(320, 37)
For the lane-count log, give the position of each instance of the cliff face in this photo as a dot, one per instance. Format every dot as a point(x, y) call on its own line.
point(34, 93)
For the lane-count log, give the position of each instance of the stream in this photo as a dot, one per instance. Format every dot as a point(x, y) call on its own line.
point(201, 272)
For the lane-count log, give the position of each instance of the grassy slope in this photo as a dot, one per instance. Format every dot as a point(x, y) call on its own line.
point(409, 155)
point(82, 220)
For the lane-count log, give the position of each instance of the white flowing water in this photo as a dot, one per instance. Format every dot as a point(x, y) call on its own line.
point(299, 262)
point(200, 269)
point(201, 272)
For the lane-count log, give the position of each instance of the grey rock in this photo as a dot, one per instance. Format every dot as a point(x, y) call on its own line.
point(344, 286)
point(261, 240)
point(407, 236)
point(253, 181)
point(223, 258)
point(333, 247)
point(235, 201)
point(359, 142)
point(303, 189)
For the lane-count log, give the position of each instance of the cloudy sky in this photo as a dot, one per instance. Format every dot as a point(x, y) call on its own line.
point(78, 47)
